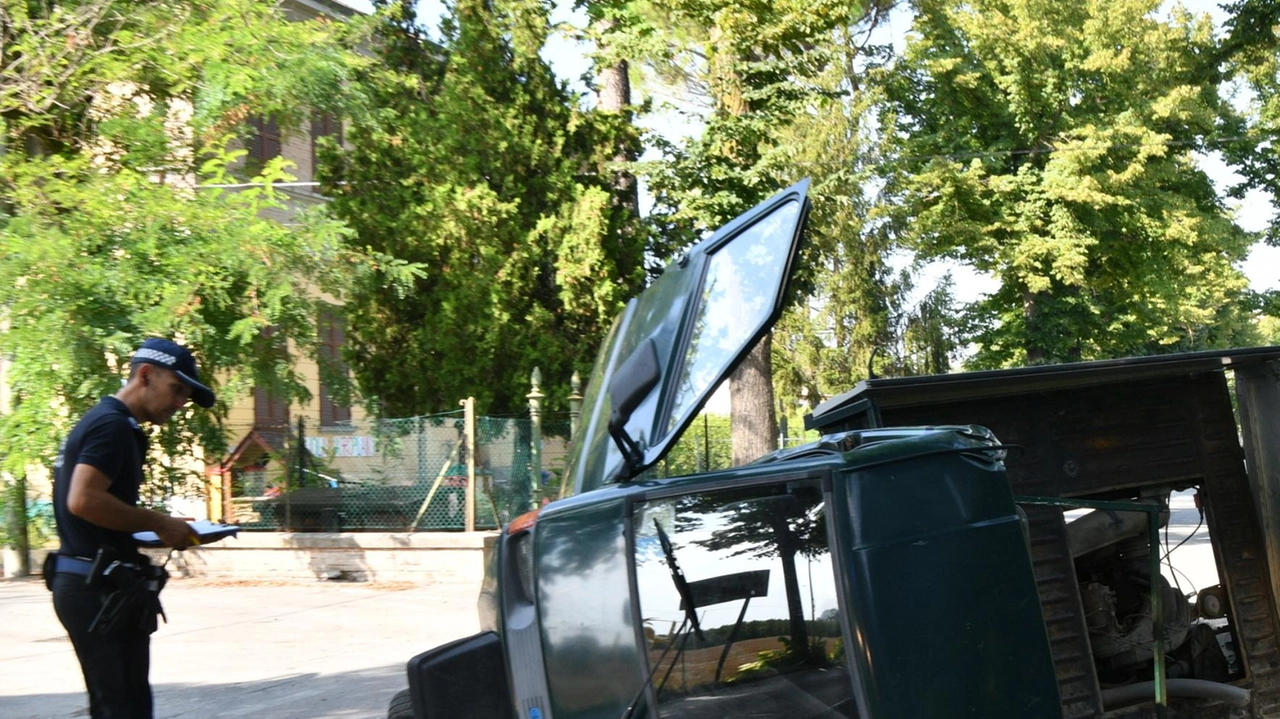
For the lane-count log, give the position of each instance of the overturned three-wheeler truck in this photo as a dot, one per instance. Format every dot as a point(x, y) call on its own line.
point(969, 545)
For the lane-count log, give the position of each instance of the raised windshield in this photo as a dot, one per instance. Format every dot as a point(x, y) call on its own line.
point(698, 320)
point(732, 307)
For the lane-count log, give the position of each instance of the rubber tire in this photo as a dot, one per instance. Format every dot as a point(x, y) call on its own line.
point(401, 706)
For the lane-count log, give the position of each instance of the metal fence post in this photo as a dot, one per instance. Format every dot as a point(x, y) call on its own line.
point(535, 441)
point(575, 405)
point(575, 417)
point(422, 451)
point(469, 437)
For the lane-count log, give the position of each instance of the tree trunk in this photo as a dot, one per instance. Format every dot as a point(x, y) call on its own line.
point(788, 548)
point(16, 524)
point(755, 424)
point(615, 96)
point(615, 87)
point(1035, 351)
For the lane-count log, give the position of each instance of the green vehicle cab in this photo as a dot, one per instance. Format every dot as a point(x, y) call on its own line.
point(878, 572)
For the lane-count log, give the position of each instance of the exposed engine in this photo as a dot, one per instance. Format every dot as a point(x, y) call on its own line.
point(1113, 568)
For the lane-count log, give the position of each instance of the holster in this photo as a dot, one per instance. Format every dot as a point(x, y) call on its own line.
point(132, 602)
point(48, 569)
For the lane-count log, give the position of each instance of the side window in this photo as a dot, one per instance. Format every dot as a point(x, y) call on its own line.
point(269, 410)
point(264, 143)
point(323, 124)
point(332, 332)
point(270, 407)
point(738, 604)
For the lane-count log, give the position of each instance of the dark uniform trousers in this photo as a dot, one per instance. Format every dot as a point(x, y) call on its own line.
point(116, 666)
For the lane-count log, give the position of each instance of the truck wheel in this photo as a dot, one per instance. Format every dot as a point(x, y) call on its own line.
point(401, 707)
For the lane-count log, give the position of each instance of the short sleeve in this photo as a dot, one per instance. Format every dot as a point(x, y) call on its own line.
point(105, 445)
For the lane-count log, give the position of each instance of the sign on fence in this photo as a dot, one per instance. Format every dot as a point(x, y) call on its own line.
point(342, 446)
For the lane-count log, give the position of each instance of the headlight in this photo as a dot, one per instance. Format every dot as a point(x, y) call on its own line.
point(524, 565)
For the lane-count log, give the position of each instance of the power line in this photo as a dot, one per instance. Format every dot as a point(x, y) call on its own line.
point(247, 185)
point(879, 161)
point(1062, 150)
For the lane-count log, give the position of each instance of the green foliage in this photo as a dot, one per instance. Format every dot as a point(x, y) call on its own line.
point(1269, 330)
point(862, 315)
point(1049, 145)
point(475, 163)
point(118, 112)
point(705, 446)
point(1251, 54)
point(760, 68)
point(787, 659)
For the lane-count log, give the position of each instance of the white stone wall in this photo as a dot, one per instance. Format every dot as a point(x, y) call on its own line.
point(419, 558)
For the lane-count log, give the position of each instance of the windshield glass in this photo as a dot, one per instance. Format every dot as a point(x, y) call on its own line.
point(732, 306)
point(698, 318)
point(593, 446)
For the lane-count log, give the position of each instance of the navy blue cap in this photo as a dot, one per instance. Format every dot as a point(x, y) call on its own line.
point(173, 356)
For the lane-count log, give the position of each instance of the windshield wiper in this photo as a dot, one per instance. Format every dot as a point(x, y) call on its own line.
point(635, 701)
point(682, 585)
point(690, 620)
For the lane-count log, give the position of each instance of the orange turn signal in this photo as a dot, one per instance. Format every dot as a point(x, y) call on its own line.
point(523, 522)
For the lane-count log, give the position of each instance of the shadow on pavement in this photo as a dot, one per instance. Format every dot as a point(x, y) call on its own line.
point(351, 695)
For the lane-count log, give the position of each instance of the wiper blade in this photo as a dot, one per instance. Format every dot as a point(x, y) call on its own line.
point(690, 620)
point(682, 585)
point(635, 701)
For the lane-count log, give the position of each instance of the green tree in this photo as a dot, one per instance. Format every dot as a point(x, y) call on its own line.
point(1050, 145)
point(118, 120)
point(759, 69)
point(861, 315)
point(1251, 53)
point(476, 162)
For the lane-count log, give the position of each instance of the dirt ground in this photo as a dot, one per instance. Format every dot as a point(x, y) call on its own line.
point(274, 650)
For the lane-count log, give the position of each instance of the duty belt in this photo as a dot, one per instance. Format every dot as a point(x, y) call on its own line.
point(73, 565)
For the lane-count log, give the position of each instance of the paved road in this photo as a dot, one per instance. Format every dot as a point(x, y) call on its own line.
point(313, 651)
point(302, 651)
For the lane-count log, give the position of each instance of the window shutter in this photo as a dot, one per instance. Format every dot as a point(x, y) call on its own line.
point(323, 124)
point(332, 336)
point(265, 143)
point(269, 411)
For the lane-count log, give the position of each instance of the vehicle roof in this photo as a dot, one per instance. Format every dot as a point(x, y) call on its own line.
point(888, 392)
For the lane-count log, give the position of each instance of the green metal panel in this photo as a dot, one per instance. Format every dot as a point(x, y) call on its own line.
point(590, 653)
point(939, 591)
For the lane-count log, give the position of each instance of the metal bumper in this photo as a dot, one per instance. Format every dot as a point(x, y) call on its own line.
point(465, 679)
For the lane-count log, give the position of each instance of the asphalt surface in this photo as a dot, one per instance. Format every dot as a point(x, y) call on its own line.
point(305, 651)
point(287, 651)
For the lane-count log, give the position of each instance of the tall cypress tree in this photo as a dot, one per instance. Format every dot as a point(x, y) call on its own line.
point(763, 69)
point(477, 163)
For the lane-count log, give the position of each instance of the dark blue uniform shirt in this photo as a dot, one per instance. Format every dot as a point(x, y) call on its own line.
point(108, 438)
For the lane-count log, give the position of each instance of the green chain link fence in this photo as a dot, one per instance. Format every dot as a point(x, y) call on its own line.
point(392, 475)
point(707, 445)
point(406, 475)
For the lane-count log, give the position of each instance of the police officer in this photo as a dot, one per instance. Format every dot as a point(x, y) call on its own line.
point(96, 480)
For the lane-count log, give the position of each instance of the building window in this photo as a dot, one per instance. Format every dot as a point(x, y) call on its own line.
point(264, 143)
point(332, 336)
point(323, 124)
point(268, 409)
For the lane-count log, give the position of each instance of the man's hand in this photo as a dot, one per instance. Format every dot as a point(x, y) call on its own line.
point(89, 499)
point(174, 532)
